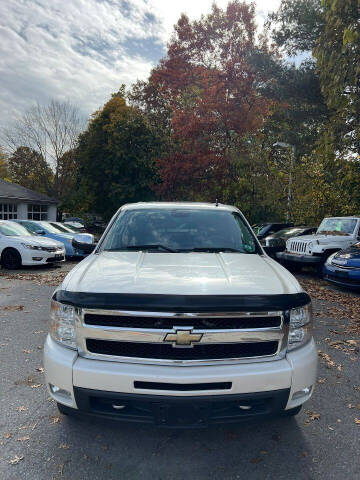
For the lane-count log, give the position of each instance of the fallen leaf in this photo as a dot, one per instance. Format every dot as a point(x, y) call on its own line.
point(357, 421)
point(40, 369)
point(7, 434)
point(64, 446)
point(36, 385)
point(13, 308)
point(55, 419)
point(23, 439)
point(21, 409)
point(313, 415)
point(255, 460)
point(16, 459)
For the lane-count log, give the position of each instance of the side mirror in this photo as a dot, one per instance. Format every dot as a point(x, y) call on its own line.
point(84, 242)
point(39, 232)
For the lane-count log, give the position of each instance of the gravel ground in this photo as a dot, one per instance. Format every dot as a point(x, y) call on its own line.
point(37, 443)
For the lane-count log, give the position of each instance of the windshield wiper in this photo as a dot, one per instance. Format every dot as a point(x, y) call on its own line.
point(141, 247)
point(214, 249)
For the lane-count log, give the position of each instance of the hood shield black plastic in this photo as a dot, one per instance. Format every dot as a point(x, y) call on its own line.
point(182, 303)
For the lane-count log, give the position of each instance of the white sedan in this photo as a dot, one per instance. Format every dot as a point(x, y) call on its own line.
point(20, 247)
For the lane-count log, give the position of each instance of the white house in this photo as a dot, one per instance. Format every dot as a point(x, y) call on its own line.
point(20, 202)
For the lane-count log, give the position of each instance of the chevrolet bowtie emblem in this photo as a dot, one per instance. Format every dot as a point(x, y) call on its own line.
point(183, 338)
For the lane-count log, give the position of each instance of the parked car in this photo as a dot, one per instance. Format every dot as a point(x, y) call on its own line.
point(333, 234)
point(277, 241)
point(19, 247)
point(47, 230)
point(68, 227)
point(267, 229)
point(76, 226)
point(179, 318)
point(343, 267)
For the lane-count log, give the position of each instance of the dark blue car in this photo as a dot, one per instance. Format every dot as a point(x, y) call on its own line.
point(343, 268)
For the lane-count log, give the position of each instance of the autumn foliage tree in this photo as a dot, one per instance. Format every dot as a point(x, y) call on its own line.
point(214, 95)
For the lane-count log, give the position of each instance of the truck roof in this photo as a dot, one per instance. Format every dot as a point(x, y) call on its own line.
point(168, 205)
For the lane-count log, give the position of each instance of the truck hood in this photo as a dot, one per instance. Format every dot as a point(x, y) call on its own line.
point(180, 274)
point(323, 239)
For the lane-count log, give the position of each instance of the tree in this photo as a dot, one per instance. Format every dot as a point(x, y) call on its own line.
point(297, 25)
point(50, 130)
point(4, 174)
point(28, 168)
point(116, 157)
point(338, 53)
point(214, 96)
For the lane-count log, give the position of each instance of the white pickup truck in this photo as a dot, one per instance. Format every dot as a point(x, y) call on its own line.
point(179, 318)
point(333, 234)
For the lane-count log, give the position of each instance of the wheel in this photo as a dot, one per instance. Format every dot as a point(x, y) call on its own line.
point(292, 412)
point(11, 259)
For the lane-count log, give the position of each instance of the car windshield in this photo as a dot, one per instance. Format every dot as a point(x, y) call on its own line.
point(262, 229)
point(180, 229)
point(14, 230)
point(61, 228)
point(287, 232)
point(337, 226)
point(49, 227)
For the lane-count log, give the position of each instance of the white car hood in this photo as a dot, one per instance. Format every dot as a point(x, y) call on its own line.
point(34, 240)
point(180, 274)
point(323, 239)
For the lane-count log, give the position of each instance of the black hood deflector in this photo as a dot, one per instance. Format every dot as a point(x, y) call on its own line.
point(182, 303)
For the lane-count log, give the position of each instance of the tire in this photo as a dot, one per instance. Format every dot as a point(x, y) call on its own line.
point(292, 412)
point(11, 259)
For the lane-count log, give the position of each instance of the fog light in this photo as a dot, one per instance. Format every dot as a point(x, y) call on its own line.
point(118, 407)
point(60, 393)
point(245, 407)
point(302, 393)
point(37, 259)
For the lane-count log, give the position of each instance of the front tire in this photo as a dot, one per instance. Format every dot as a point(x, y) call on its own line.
point(11, 259)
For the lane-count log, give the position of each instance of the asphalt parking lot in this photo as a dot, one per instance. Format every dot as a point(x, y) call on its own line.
point(37, 443)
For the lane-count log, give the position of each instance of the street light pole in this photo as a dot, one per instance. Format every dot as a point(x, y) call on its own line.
point(292, 162)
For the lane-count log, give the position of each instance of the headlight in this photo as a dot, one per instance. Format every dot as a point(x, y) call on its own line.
point(62, 327)
point(329, 259)
point(32, 247)
point(300, 327)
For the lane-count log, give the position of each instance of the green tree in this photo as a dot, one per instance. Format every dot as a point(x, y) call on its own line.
point(4, 173)
point(297, 25)
point(28, 168)
point(338, 61)
point(115, 156)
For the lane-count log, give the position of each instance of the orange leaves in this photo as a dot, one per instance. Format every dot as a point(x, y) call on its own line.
point(212, 92)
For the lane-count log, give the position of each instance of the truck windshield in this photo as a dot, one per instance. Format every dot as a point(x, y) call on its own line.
point(177, 229)
point(337, 226)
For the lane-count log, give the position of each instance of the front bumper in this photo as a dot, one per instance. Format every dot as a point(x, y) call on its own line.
point(269, 386)
point(342, 276)
point(41, 257)
point(296, 258)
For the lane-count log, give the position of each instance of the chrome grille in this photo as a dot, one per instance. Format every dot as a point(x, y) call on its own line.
point(152, 337)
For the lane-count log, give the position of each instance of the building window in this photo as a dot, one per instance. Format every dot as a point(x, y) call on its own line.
point(8, 211)
point(37, 212)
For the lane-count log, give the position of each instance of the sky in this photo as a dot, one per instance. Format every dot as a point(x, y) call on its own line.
point(83, 50)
